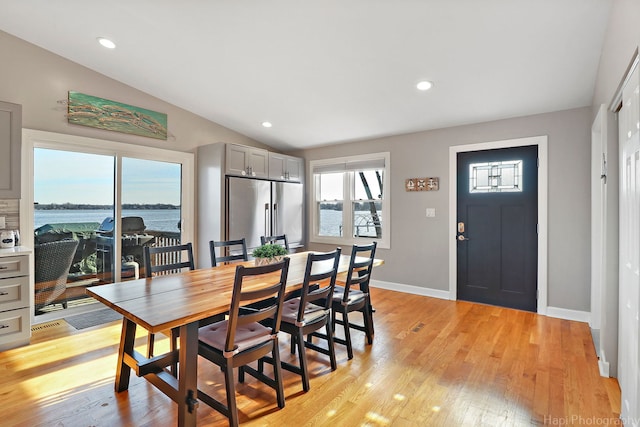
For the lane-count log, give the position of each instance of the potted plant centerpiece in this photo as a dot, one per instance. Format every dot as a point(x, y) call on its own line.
point(269, 253)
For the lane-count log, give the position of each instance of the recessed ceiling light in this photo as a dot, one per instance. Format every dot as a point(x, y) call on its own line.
point(424, 85)
point(267, 124)
point(106, 43)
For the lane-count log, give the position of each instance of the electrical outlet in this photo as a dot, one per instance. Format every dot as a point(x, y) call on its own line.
point(431, 212)
point(3, 224)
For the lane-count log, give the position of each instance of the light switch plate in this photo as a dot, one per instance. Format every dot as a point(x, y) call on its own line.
point(431, 212)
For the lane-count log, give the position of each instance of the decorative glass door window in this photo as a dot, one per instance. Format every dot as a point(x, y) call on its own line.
point(495, 177)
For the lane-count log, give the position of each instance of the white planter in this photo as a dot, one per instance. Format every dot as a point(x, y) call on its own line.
point(265, 261)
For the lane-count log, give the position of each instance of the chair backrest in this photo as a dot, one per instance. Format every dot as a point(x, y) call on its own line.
point(52, 263)
point(53, 260)
point(360, 266)
point(167, 259)
point(239, 246)
point(253, 287)
point(319, 280)
point(279, 240)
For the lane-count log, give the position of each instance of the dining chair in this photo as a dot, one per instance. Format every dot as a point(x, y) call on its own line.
point(239, 246)
point(279, 239)
point(243, 337)
point(353, 296)
point(311, 312)
point(162, 260)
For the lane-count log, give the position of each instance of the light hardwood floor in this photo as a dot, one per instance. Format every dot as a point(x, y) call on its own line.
point(433, 363)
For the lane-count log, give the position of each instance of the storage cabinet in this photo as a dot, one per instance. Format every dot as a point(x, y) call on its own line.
point(285, 168)
point(15, 313)
point(247, 161)
point(10, 146)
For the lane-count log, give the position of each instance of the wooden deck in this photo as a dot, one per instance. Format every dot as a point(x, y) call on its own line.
point(433, 363)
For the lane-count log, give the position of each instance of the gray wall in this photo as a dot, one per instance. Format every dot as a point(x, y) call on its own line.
point(419, 245)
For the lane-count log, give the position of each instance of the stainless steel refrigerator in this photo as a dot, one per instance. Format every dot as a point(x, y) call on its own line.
point(257, 208)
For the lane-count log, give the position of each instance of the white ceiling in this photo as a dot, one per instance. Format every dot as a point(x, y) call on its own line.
point(334, 70)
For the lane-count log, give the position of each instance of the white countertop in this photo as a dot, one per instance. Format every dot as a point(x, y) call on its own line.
point(16, 250)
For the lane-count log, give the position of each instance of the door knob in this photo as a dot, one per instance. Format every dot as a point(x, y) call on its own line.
point(462, 238)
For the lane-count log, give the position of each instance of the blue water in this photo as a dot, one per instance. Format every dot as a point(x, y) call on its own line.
point(158, 220)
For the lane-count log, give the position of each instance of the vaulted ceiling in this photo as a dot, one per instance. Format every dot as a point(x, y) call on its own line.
point(335, 70)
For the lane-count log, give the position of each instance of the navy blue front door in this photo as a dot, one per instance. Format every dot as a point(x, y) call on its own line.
point(497, 220)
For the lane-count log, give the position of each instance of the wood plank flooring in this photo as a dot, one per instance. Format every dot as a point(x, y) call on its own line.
point(433, 363)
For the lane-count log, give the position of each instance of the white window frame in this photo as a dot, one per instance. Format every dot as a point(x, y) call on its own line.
point(347, 235)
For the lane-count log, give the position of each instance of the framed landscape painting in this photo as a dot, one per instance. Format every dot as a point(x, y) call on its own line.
point(100, 113)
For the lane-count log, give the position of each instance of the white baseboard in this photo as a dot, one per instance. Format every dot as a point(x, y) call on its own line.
point(560, 313)
point(409, 289)
point(567, 314)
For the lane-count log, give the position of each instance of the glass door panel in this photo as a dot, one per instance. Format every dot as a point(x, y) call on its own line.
point(73, 196)
point(151, 209)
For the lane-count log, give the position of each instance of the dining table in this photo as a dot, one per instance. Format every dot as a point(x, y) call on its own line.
point(179, 302)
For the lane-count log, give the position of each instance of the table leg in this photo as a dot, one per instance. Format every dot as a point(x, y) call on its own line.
point(188, 374)
point(127, 340)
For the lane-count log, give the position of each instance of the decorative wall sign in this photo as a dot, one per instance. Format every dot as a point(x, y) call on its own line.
point(422, 184)
point(87, 110)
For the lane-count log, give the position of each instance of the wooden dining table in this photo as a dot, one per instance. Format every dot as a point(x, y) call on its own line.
point(179, 301)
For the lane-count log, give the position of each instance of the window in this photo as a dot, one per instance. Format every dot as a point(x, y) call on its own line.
point(495, 177)
point(350, 200)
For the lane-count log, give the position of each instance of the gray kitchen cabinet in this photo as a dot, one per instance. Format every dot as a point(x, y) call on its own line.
point(285, 168)
point(10, 146)
point(15, 312)
point(247, 161)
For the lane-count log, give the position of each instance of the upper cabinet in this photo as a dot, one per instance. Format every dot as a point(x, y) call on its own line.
point(247, 161)
point(285, 168)
point(10, 146)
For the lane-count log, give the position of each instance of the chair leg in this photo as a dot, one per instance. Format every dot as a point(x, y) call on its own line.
point(331, 347)
point(302, 358)
point(347, 334)
point(277, 373)
point(231, 395)
point(368, 323)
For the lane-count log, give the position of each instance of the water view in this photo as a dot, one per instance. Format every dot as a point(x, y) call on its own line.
point(154, 219)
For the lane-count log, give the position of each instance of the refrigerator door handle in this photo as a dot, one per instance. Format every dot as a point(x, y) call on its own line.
point(275, 219)
point(266, 219)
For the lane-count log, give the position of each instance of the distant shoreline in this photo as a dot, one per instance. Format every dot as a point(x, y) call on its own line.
point(78, 206)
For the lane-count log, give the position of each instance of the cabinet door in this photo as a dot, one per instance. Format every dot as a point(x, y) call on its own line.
point(294, 168)
point(258, 163)
point(10, 145)
point(237, 161)
point(277, 166)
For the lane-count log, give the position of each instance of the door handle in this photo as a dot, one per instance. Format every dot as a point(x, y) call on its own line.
point(462, 238)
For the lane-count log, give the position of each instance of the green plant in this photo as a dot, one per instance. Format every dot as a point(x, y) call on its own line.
point(269, 251)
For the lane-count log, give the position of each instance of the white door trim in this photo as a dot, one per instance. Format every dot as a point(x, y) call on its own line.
point(541, 142)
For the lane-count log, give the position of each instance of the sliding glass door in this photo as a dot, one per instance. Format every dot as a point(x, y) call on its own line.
point(112, 201)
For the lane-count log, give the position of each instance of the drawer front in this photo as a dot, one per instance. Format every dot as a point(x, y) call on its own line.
point(14, 266)
point(14, 325)
point(14, 293)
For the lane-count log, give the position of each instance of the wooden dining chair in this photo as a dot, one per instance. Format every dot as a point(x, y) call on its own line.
point(353, 295)
point(239, 246)
point(243, 338)
point(162, 260)
point(279, 240)
point(311, 312)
